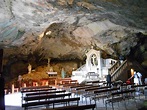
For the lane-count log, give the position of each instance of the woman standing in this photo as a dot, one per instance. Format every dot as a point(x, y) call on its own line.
point(136, 78)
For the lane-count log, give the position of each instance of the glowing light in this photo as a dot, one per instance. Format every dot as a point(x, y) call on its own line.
point(132, 71)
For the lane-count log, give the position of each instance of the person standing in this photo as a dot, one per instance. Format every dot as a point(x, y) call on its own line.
point(139, 75)
point(136, 79)
point(108, 79)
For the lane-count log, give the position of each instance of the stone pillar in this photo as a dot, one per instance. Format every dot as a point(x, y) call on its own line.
point(2, 101)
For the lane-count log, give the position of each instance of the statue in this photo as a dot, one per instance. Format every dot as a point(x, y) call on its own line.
point(20, 81)
point(51, 69)
point(48, 64)
point(29, 68)
point(94, 60)
point(63, 73)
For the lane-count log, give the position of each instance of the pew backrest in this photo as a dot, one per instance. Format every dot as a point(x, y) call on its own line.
point(40, 97)
point(45, 92)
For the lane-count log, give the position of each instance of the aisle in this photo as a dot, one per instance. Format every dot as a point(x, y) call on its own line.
point(13, 99)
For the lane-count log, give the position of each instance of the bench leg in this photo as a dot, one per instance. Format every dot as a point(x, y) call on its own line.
point(106, 105)
point(47, 106)
point(103, 100)
point(86, 100)
point(90, 100)
point(68, 104)
point(53, 106)
point(125, 105)
point(112, 106)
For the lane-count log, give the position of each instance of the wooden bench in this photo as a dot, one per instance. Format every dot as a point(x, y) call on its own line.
point(25, 90)
point(134, 86)
point(119, 97)
point(93, 88)
point(78, 90)
point(139, 90)
point(48, 102)
point(89, 91)
point(74, 107)
point(68, 84)
point(103, 93)
point(44, 92)
point(34, 87)
point(45, 97)
point(96, 82)
point(37, 90)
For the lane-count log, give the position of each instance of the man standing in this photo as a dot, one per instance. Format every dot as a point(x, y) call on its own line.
point(108, 79)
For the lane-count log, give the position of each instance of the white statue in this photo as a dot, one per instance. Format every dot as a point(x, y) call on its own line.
point(29, 68)
point(51, 69)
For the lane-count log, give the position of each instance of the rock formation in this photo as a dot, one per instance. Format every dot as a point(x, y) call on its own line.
point(66, 29)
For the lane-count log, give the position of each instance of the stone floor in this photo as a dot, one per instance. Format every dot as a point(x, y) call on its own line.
point(13, 102)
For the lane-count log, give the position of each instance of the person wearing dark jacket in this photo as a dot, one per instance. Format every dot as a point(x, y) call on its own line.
point(108, 79)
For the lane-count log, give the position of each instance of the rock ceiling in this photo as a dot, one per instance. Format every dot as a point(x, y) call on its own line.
point(68, 28)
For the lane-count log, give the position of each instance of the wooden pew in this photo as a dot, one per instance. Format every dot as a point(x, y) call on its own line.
point(70, 84)
point(78, 88)
point(89, 91)
point(44, 92)
point(119, 97)
point(34, 87)
point(139, 89)
point(93, 88)
point(25, 90)
point(135, 86)
point(49, 96)
point(37, 90)
point(47, 102)
point(79, 107)
point(102, 93)
point(96, 82)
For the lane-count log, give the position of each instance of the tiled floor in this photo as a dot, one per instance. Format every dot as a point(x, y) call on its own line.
point(13, 102)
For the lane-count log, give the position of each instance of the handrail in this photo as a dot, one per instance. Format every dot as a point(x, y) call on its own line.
point(114, 67)
point(119, 70)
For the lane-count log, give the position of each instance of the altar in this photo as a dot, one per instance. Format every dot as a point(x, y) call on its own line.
point(96, 67)
point(52, 78)
point(52, 74)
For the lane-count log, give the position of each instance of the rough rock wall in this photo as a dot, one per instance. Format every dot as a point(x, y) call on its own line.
point(67, 29)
